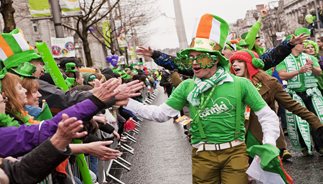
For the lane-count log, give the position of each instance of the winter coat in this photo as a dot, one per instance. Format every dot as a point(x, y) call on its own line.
point(36, 165)
point(17, 141)
point(57, 99)
point(271, 91)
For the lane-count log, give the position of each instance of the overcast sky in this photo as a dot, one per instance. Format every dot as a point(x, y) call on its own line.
point(163, 28)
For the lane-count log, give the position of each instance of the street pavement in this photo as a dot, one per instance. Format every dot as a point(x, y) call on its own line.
point(163, 156)
point(162, 153)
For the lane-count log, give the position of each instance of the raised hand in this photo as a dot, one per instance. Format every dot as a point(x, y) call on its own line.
point(106, 90)
point(129, 90)
point(298, 39)
point(144, 51)
point(100, 150)
point(100, 118)
point(67, 130)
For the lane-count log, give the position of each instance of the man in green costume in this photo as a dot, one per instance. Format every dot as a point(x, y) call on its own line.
point(216, 101)
point(300, 71)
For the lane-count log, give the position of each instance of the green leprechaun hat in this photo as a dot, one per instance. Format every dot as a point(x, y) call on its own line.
point(302, 30)
point(25, 69)
point(210, 36)
point(15, 50)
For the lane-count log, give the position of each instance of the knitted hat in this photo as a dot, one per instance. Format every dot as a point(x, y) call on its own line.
point(250, 58)
point(210, 36)
point(26, 69)
point(15, 50)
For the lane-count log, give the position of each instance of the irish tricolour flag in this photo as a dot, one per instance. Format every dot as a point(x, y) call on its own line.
point(267, 167)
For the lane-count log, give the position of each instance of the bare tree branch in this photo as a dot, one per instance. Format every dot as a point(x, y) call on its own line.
point(103, 16)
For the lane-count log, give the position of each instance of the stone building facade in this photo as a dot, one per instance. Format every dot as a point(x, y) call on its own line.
point(284, 16)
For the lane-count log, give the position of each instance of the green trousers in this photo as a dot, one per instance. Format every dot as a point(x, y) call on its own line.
point(227, 166)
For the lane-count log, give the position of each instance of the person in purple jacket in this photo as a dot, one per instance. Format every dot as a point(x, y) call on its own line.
point(17, 141)
point(39, 163)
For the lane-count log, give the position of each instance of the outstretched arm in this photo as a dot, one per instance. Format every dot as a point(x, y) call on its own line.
point(163, 59)
point(160, 113)
point(276, 55)
point(37, 164)
point(284, 99)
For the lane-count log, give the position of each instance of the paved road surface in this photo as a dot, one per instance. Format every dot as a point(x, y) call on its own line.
point(163, 156)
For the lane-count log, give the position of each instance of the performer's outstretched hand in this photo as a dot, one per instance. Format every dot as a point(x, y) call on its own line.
point(145, 51)
point(128, 90)
point(298, 39)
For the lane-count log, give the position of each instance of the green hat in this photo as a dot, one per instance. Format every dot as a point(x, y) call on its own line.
point(302, 30)
point(210, 37)
point(134, 71)
point(70, 67)
point(140, 63)
point(25, 69)
point(88, 77)
point(243, 43)
point(125, 76)
point(15, 50)
point(243, 35)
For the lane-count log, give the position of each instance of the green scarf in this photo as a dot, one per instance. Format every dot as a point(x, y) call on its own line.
point(292, 65)
point(7, 121)
point(204, 85)
point(295, 123)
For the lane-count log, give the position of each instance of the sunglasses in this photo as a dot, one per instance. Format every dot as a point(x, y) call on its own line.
point(205, 60)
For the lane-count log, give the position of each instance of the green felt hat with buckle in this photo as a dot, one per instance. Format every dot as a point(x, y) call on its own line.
point(25, 69)
point(15, 50)
point(210, 37)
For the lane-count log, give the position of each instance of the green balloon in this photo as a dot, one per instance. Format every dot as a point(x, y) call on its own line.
point(309, 18)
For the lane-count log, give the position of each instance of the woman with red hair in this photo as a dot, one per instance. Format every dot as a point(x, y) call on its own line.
point(246, 64)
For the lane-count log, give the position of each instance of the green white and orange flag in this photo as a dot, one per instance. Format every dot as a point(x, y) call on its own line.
point(266, 166)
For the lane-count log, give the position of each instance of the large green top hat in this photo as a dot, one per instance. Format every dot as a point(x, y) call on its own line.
point(15, 50)
point(210, 37)
point(25, 69)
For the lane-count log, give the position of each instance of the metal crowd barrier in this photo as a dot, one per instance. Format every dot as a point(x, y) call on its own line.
point(104, 167)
